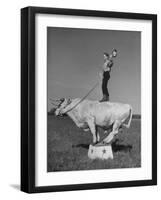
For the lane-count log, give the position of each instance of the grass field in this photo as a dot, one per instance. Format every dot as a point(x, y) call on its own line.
point(68, 147)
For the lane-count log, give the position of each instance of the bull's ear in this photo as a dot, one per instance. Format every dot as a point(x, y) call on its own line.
point(62, 99)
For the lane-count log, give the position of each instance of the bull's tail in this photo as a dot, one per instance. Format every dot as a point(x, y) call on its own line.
point(129, 122)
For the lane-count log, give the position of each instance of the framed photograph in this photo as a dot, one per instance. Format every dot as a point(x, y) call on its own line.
point(88, 99)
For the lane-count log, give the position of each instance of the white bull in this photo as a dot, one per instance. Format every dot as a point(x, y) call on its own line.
point(92, 114)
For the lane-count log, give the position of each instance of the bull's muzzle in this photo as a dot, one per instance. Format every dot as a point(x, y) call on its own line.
point(58, 112)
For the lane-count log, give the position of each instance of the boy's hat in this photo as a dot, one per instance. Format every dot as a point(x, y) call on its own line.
point(114, 50)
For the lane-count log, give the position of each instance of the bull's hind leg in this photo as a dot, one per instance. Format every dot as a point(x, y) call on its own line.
point(114, 131)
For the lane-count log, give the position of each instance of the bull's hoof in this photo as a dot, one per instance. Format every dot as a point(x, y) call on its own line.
point(95, 143)
point(109, 139)
point(99, 143)
point(102, 143)
point(107, 142)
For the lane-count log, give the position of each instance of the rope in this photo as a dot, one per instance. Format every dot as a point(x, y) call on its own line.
point(83, 97)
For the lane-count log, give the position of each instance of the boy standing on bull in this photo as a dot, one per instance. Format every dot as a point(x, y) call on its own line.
point(105, 73)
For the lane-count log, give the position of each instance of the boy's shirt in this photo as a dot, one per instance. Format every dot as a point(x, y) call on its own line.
point(107, 65)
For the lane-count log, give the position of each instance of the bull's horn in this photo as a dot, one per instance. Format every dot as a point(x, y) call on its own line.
point(55, 100)
point(54, 104)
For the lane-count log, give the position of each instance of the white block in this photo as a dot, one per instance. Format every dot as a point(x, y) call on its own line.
point(100, 151)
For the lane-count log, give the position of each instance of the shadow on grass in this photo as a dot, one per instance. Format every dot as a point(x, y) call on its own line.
point(120, 147)
point(85, 146)
point(115, 146)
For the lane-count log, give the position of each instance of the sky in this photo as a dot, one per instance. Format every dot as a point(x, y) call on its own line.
point(75, 58)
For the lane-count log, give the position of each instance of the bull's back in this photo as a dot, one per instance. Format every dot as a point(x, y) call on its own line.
point(105, 113)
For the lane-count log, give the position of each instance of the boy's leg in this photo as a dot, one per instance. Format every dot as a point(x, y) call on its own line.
point(105, 90)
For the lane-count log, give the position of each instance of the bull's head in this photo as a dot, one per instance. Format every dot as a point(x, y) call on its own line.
point(62, 106)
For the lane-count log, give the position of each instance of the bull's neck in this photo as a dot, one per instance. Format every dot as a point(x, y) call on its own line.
point(72, 115)
point(73, 105)
point(73, 109)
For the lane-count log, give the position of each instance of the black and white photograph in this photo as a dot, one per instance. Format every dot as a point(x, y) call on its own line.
point(93, 99)
point(79, 100)
point(89, 90)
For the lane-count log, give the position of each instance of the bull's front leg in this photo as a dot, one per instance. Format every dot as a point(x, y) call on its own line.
point(97, 135)
point(92, 126)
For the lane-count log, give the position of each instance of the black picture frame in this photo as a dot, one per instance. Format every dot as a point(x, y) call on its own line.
point(28, 98)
